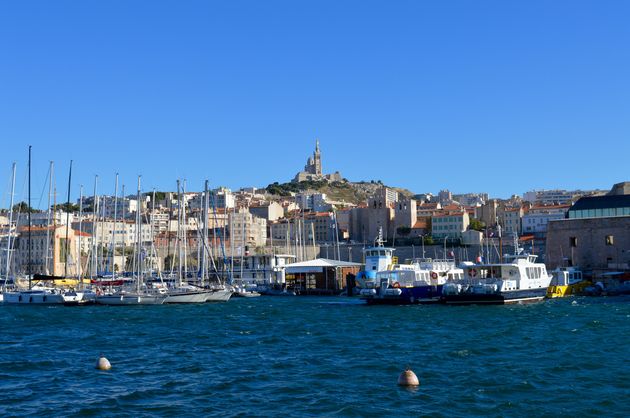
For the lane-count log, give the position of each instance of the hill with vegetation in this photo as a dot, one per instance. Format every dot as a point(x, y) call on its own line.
point(339, 191)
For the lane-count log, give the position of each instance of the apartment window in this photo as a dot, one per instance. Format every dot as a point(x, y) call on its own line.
point(573, 241)
point(610, 240)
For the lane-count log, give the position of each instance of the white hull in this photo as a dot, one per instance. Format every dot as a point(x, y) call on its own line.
point(188, 297)
point(79, 298)
point(219, 296)
point(130, 299)
point(33, 297)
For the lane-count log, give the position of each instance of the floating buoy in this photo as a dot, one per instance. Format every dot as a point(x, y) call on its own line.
point(103, 363)
point(408, 378)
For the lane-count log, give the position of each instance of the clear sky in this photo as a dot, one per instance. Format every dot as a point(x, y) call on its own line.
point(496, 96)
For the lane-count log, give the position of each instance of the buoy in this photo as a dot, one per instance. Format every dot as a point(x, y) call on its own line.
point(103, 363)
point(408, 378)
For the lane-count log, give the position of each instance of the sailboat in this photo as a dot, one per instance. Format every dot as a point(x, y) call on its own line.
point(141, 294)
point(34, 294)
point(187, 293)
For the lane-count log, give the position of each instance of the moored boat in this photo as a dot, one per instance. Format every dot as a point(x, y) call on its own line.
point(420, 281)
point(519, 279)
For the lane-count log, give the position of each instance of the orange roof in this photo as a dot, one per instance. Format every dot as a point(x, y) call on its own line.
point(420, 224)
point(443, 215)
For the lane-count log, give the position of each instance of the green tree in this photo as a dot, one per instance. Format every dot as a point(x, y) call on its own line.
point(476, 225)
point(66, 207)
point(23, 207)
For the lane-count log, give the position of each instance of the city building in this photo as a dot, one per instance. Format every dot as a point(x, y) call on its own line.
point(247, 230)
point(449, 225)
point(535, 221)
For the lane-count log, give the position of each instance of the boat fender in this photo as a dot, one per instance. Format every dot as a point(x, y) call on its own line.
point(434, 275)
point(396, 285)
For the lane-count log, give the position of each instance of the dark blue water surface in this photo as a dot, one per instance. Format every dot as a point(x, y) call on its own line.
point(317, 356)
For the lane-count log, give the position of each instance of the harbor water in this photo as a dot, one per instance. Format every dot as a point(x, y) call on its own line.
point(306, 356)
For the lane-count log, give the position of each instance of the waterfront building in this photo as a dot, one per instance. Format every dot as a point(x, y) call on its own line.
point(48, 252)
point(595, 244)
point(320, 276)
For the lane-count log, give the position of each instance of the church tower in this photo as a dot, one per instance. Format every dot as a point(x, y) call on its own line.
point(317, 157)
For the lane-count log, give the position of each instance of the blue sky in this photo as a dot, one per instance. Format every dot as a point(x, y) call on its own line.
point(489, 96)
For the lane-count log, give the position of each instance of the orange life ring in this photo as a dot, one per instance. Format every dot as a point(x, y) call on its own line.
point(473, 272)
point(434, 275)
point(396, 285)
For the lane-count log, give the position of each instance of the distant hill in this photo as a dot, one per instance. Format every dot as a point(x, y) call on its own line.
point(351, 192)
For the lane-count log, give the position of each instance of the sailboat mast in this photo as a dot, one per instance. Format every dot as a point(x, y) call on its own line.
point(93, 271)
point(113, 249)
point(8, 264)
point(138, 238)
point(65, 266)
point(29, 272)
point(80, 266)
point(48, 218)
point(206, 204)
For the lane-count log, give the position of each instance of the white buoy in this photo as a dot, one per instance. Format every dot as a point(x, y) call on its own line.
point(408, 378)
point(103, 363)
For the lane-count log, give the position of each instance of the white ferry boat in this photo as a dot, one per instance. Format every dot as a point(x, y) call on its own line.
point(519, 279)
point(420, 281)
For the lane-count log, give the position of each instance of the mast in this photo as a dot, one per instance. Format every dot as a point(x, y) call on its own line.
point(65, 266)
point(93, 270)
point(122, 217)
point(29, 272)
point(48, 220)
point(178, 242)
point(138, 238)
point(205, 205)
point(80, 269)
point(113, 249)
point(8, 264)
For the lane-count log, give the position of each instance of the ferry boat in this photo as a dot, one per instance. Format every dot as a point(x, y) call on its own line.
point(519, 279)
point(566, 281)
point(420, 281)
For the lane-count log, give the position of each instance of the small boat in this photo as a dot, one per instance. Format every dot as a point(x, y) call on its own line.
point(566, 281)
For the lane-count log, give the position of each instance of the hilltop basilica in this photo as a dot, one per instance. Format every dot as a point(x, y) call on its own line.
point(313, 169)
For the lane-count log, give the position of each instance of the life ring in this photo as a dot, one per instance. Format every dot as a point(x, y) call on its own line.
point(396, 285)
point(473, 272)
point(434, 275)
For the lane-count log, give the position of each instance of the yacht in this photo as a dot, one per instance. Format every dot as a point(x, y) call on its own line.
point(519, 279)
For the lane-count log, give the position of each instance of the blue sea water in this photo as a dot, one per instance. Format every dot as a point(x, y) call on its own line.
point(307, 356)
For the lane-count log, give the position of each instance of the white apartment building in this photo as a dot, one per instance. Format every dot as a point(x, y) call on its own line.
point(535, 221)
